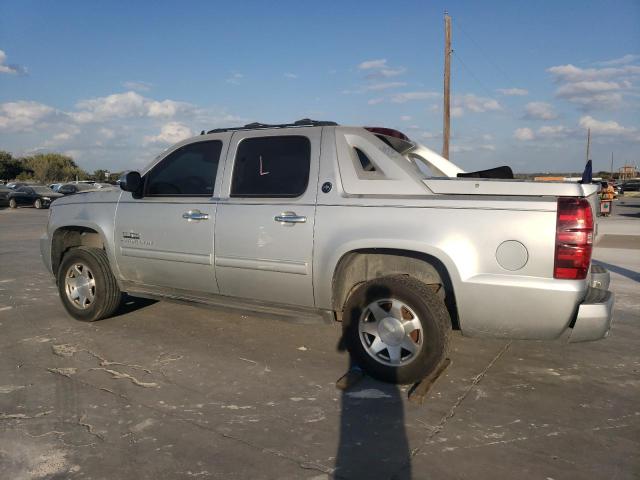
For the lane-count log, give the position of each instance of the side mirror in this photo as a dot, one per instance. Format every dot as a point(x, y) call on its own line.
point(130, 181)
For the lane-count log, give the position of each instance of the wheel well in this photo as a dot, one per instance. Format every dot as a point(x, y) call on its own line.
point(359, 266)
point(66, 238)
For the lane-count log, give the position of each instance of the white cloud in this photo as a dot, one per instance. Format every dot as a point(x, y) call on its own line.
point(10, 69)
point(106, 132)
point(123, 105)
point(468, 148)
point(571, 73)
point(554, 131)
point(539, 111)
point(544, 132)
point(68, 132)
point(23, 115)
point(388, 72)
point(375, 101)
point(609, 128)
point(629, 58)
point(384, 86)
point(456, 112)
point(406, 118)
point(380, 69)
point(170, 133)
point(473, 103)
point(523, 134)
point(430, 135)
point(138, 86)
point(408, 96)
point(235, 78)
point(291, 76)
point(373, 64)
point(513, 92)
point(594, 88)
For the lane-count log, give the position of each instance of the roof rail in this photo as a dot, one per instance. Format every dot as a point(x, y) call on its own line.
point(305, 122)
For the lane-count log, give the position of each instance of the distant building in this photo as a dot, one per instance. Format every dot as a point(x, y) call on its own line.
point(628, 171)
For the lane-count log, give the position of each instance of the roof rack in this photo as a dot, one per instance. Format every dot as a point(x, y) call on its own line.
point(305, 122)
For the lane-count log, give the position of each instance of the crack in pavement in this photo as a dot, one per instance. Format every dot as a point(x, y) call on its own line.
point(300, 462)
point(452, 411)
point(117, 375)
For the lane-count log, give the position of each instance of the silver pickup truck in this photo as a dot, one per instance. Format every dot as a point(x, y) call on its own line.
point(360, 225)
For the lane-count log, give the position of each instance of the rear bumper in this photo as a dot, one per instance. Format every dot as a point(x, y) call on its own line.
point(595, 313)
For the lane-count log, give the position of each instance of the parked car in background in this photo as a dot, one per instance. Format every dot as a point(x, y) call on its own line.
point(15, 185)
point(631, 186)
point(72, 188)
point(55, 186)
point(4, 195)
point(104, 185)
point(37, 196)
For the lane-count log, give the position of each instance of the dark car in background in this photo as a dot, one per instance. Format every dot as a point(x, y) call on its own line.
point(631, 186)
point(16, 185)
point(4, 195)
point(71, 188)
point(37, 196)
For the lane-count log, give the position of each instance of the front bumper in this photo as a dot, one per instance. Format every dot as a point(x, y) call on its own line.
point(595, 313)
point(45, 251)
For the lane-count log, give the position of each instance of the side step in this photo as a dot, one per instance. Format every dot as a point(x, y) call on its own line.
point(293, 314)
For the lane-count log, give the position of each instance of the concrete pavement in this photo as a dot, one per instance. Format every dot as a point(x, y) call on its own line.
point(168, 390)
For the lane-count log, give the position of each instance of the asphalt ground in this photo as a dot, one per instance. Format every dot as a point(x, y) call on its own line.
point(166, 390)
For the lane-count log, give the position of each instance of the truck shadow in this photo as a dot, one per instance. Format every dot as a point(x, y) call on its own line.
point(635, 276)
point(131, 304)
point(373, 440)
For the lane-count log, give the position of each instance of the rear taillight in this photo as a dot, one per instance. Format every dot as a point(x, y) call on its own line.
point(574, 238)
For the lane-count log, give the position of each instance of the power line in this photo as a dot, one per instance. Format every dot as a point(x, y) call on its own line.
point(485, 55)
point(475, 77)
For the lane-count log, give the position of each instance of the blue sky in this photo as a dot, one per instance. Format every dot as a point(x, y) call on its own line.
point(113, 84)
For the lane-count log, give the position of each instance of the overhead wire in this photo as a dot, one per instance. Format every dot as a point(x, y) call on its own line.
point(484, 54)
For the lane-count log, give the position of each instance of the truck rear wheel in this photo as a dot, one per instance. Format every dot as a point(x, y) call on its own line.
point(396, 328)
point(87, 287)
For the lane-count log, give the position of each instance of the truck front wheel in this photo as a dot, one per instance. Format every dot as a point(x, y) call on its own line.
point(396, 328)
point(87, 287)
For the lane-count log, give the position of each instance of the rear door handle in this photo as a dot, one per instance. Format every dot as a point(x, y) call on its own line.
point(195, 215)
point(290, 217)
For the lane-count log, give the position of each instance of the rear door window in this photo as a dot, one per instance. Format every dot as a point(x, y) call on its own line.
point(271, 167)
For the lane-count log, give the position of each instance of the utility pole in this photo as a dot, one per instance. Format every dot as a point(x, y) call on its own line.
point(447, 86)
point(611, 166)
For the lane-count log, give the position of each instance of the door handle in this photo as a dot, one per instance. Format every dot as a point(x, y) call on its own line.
point(195, 215)
point(290, 217)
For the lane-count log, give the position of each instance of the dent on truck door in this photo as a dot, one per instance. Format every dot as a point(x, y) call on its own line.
point(264, 230)
point(165, 238)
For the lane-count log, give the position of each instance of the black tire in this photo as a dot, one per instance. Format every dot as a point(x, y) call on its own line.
point(37, 203)
point(13, 203)
point(432, 315)
point(107, 294)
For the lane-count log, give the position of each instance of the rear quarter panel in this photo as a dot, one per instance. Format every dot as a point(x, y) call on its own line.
point(464, 235)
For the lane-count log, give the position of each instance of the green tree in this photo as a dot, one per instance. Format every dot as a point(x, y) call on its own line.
point(10, 167)
point(99, 175)
point(52, 167)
